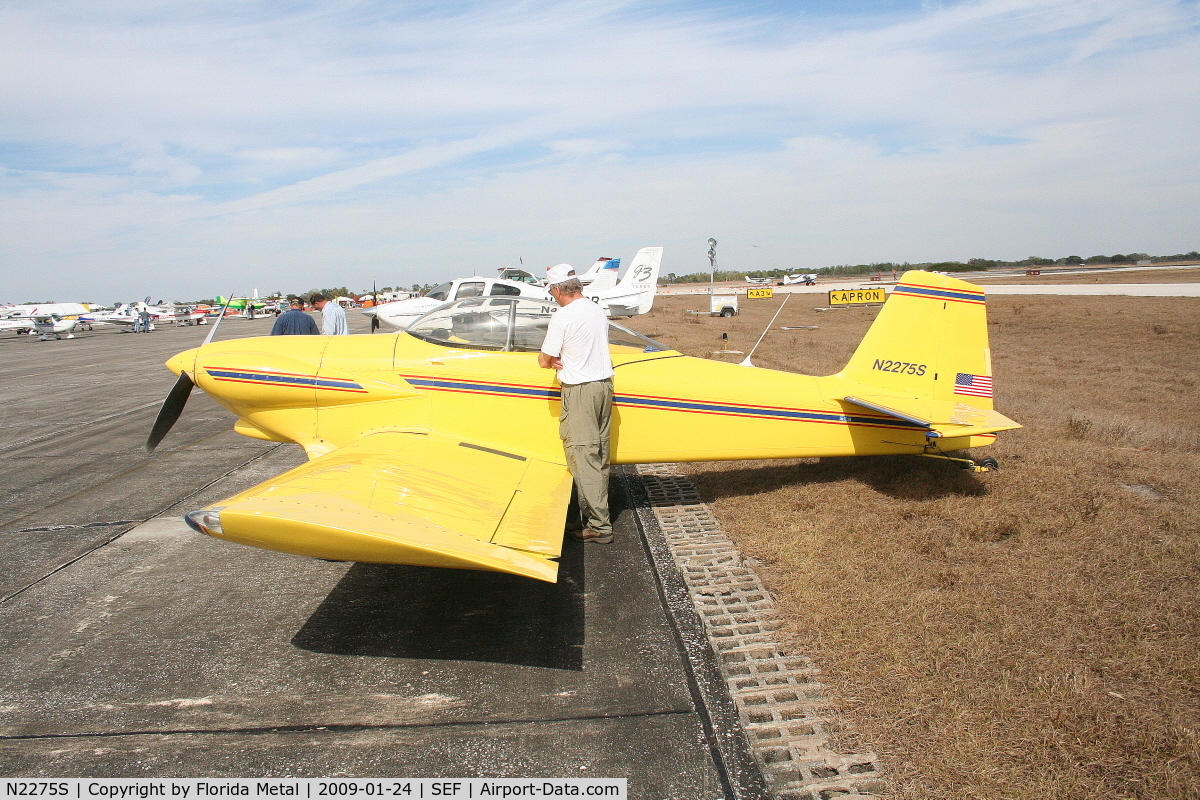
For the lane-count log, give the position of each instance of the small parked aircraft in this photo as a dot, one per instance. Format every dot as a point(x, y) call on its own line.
point(439, 446)
point(759, 281)
point(45, 319)
point(192, 314)
point(128, 315)
point(632, 295)
point(602, 267)
point(52, 325)
point(808, 280)
point(399, 314)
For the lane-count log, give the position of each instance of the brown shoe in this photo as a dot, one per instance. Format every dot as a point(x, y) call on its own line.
point(593, 536)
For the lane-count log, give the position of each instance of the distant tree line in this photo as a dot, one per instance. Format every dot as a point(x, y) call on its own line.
point(970, 265)
point(342, 291)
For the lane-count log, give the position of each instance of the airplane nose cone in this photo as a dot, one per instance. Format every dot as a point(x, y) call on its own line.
point(184, 362)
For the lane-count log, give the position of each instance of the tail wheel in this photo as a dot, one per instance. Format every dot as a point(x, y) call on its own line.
point(990, 463)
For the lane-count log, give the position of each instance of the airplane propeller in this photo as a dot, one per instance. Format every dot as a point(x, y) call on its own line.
point(177, 398)
point(172, 407)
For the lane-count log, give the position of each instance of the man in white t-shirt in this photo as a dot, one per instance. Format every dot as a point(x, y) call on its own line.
point(576, 345)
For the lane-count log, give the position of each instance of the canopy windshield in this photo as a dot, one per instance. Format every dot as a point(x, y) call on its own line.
point(507, 324)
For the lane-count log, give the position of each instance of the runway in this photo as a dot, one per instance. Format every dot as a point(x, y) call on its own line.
point(134, 647)
point(1125, 289)
point(1093, 289)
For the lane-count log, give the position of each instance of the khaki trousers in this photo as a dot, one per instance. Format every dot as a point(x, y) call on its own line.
point(584, 428)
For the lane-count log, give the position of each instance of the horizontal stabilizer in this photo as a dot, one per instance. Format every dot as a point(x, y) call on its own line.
point(891, 412)
point(947, 418)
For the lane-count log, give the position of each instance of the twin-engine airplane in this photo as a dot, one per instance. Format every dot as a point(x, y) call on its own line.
point(439, 446)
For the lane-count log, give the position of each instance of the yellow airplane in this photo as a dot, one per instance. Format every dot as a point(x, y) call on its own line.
point(438, 446)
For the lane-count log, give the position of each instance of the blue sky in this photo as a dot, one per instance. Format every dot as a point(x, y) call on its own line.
point(186, 149)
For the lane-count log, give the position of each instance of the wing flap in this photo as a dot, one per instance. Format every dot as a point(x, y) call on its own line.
point(534, 520)
point(399, 498)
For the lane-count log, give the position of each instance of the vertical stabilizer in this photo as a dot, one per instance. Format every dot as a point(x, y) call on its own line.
point(929, 344)
point(634, 293)
point(603, 275)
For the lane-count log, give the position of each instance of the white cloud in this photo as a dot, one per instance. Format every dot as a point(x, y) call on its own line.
point(190, 143)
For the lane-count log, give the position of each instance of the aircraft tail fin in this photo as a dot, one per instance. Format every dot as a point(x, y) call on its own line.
point(634, 293)
point(602, 275)
point(926, 357)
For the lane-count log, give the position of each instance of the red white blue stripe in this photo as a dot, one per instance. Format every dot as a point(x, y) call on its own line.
point(691, 406)
point(940, 293)
point(288, 379)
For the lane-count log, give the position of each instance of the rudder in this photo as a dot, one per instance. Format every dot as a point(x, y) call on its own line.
point(929, 343)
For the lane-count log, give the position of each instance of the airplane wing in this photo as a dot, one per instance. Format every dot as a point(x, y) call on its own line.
point(408, 498)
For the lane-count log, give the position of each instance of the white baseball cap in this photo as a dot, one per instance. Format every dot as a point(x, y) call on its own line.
point(559, 273)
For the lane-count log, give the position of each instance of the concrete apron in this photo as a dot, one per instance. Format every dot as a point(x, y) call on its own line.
point(167, 653)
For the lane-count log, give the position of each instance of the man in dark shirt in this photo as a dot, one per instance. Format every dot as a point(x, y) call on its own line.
point(294, 321)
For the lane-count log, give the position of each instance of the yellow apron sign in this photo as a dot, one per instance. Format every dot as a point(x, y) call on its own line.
point(849, 297)
point(760, 294)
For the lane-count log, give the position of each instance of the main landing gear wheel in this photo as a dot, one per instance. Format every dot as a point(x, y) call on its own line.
point(971, 465)
point(986, 465)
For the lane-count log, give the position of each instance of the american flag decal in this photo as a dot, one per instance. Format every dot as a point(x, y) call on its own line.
point(974, 385)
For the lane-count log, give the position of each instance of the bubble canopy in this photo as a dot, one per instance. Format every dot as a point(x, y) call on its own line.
point(507, 324)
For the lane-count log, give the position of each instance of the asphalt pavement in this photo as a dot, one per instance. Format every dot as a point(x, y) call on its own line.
point(131, 646)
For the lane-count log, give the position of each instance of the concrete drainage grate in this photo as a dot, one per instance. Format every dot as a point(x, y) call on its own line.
point(779, 696)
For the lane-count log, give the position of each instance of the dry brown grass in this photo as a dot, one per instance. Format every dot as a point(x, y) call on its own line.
point(1027, 633)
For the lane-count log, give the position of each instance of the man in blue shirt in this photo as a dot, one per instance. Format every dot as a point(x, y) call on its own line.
point(294, 321)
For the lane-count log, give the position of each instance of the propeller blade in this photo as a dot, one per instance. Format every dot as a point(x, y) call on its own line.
point(211, 333)
point(172, 407)
point(374, 324)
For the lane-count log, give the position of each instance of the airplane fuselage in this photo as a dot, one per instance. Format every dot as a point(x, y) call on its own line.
point(326, 392)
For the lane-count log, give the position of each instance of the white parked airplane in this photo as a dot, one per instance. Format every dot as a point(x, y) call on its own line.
point(759, 281)
point(191, 315)
point(807, 280)
point(400, 313)
point(127, 315)
point(602, 275)
point(54, 325)
point(46, 319)
point(632, 295)
point(43, 309)
point(603, 268)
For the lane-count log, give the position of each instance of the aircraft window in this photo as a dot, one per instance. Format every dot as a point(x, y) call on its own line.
point(471, 289)
point(440, 292)
point(500, 288)
point(515, 324)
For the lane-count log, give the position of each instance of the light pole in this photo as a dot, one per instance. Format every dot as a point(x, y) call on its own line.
point(712, 264)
